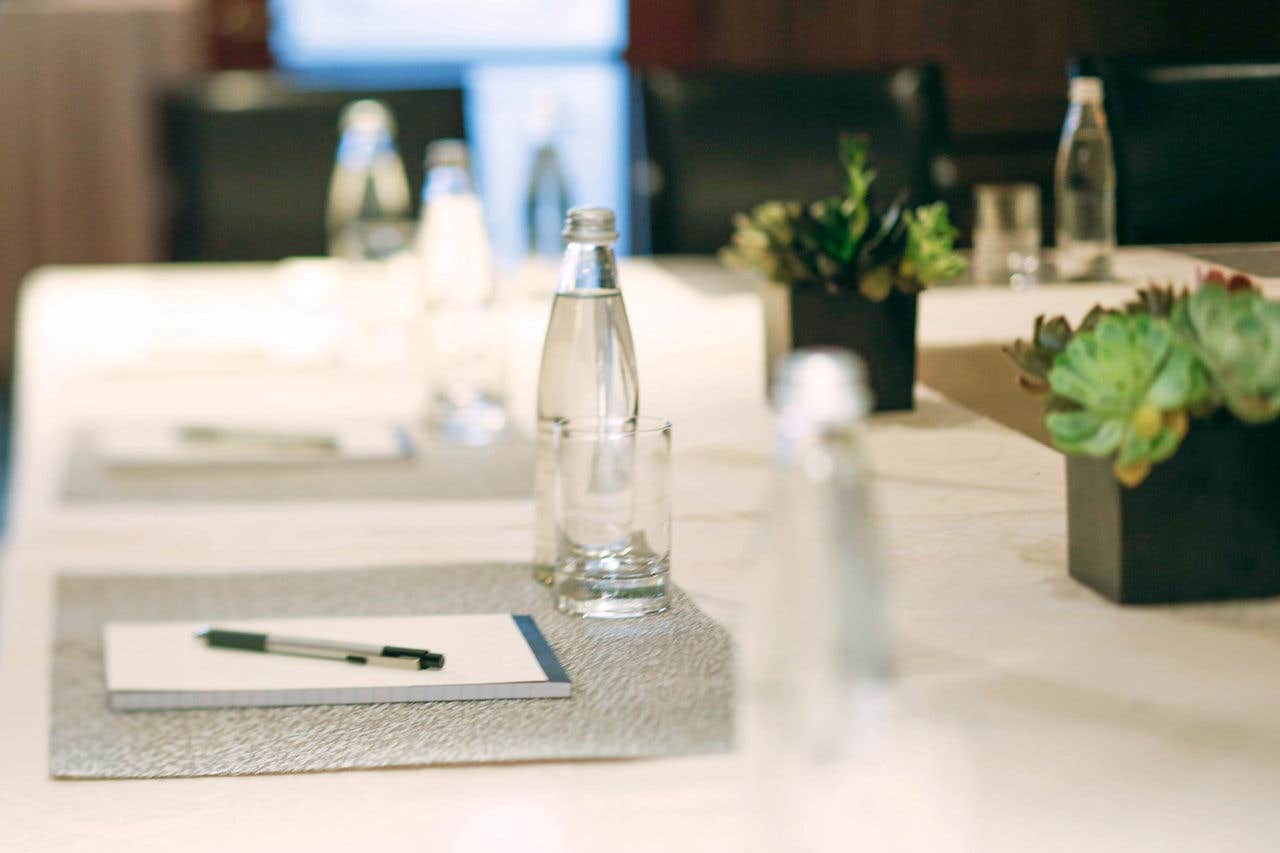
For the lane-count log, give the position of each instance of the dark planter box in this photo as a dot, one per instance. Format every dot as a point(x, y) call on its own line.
point(1204, 526)
point(882, 333)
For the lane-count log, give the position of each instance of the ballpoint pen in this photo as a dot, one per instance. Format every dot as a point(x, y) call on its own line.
point(261, 438)
point(359, 653)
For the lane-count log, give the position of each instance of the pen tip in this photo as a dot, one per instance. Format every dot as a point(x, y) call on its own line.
point(202, 633)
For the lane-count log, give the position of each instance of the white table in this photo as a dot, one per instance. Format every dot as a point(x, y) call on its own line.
point(1031, 714)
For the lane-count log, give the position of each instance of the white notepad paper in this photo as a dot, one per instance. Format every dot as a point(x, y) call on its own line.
point(153, 665)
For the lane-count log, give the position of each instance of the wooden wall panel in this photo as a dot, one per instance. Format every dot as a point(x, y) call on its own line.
point(80, 174)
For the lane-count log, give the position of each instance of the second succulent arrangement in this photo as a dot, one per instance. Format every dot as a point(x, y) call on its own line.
point(1128, 382)
point(845, 243)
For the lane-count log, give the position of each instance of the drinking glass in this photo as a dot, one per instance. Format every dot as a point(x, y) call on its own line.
point(612, 511)
point(1006, 234)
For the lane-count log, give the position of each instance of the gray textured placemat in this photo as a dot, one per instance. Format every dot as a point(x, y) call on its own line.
point(434, 472)
point(659, 685)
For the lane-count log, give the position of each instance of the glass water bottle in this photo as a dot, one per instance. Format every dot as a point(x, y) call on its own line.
point(547, 201)
point(369, 200)
point(1085, 188)
point(465, 336)
point(588, 360)
point(815, 654)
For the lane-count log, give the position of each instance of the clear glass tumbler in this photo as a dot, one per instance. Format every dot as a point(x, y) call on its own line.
point(1006, 234)
point(612, 510)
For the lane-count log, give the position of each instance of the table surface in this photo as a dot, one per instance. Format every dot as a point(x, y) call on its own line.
point(1028, 712)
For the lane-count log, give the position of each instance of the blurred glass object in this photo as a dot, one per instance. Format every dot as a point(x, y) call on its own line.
point(369, 209)
point(612, 503)
point(1006, 234)
point(588, 359)
point(815, 651)
point(1085, 188)
point(509, 108)
point(547, 201)
point(466, 331)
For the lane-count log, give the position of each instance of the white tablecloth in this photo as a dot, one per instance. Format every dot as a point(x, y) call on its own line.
point(1031, 714)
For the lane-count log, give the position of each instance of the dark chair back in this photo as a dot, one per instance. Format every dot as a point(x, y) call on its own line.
point(721, 142)
point(1197, 148)
point(250, 155)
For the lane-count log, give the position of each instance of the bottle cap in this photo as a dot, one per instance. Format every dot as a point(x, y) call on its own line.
point(590, 225)
point(1086, 90)
point(448, 152)
point(367, 116)
point(822, 386)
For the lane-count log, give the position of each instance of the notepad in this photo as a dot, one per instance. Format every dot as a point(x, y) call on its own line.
point(154, 665)
point(134, 445)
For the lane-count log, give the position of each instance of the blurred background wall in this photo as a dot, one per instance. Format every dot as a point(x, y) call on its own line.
point(80, 171)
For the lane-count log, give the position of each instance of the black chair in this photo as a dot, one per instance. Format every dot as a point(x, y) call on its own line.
point(250, 154)
point(715, 143)
point(1197, 148)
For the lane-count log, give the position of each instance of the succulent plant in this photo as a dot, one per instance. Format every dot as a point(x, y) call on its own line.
point(1236, 334)
point(842, 242)
point(931, 256)
point(1124, 387)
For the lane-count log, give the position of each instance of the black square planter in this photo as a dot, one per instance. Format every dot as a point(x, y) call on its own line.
point(1204, 526)
point(882, 333)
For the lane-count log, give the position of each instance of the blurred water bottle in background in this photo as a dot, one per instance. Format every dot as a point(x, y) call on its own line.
point(1085, 187)
point(547, 199)
point(588, 359)
point(466, 333)
point(815, 655)
point(369, 206)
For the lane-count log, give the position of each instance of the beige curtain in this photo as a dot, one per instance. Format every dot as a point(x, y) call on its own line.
point(79, 155)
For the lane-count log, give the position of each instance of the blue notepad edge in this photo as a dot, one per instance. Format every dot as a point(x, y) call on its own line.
point(541, 648)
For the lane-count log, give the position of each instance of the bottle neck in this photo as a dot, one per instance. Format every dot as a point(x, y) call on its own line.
point(357, 149)
point(1085, 114)
point(446, 181)
point(588, 266)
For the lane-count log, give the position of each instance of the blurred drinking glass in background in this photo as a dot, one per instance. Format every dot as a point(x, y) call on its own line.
point(1006, 234)
point(815, 655)
point(466, 333)
point(612, 507)
point(369, 212)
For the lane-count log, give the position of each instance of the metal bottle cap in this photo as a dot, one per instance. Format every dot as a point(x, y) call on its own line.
point(1086, 90)
point(823, 386)
point(590, 225)
point(367, 116)
point(448, 152)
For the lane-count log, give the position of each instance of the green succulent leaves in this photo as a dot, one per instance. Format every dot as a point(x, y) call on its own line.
point(1130, 382)
point(1127, 382)
point(1236, 334)
point(842, 242)
point(931, 256)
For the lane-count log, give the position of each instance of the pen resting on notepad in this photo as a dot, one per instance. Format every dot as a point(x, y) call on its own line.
point(397, 657)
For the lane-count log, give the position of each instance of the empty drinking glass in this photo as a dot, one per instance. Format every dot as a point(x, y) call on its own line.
point(612, 510)
point(1006, 234)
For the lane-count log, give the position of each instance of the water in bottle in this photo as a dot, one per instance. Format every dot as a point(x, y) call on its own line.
point(815, 654)
point(1085, 188)
point(369, 202)
point(588, 360)
point(465, 334)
